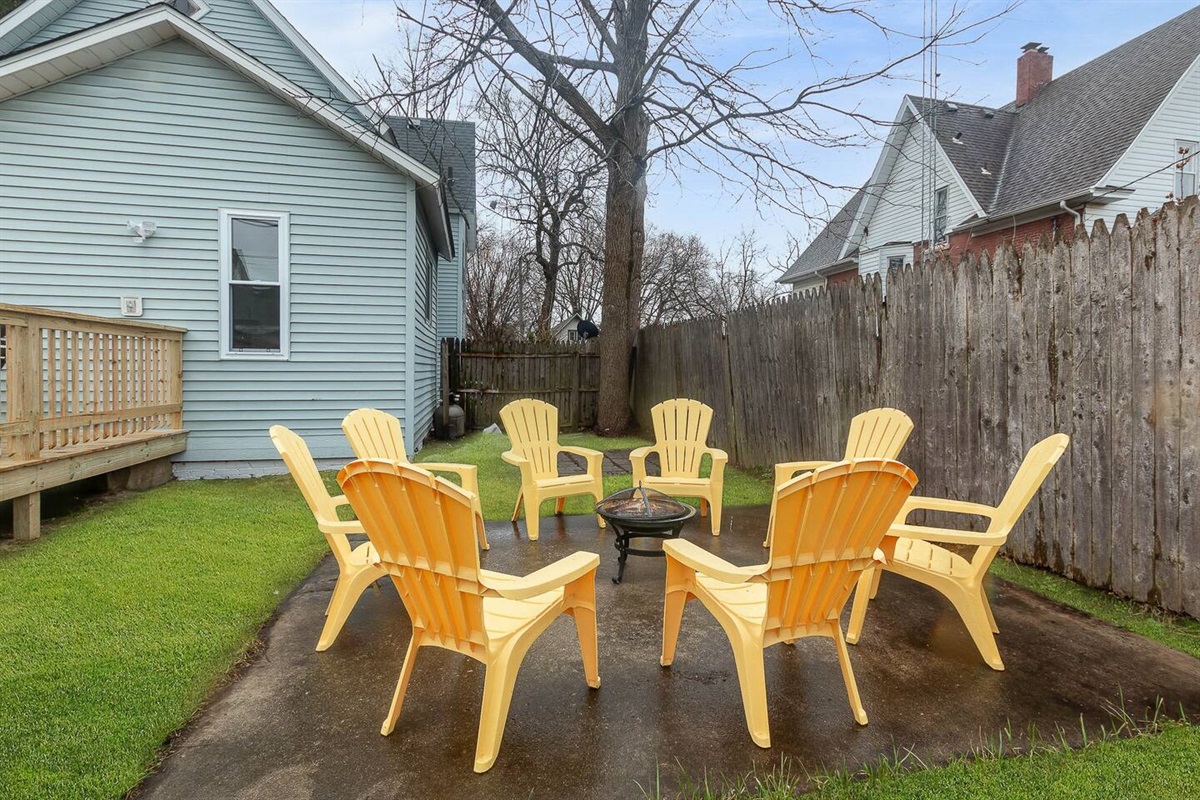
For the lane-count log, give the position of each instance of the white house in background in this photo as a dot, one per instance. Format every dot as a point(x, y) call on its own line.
point(568, 329)
point(1116, 135)
point(200, 155)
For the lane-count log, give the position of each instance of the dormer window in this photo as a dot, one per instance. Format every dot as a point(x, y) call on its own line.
point(189, 8)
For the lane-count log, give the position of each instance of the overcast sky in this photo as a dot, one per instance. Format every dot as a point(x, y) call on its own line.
point(349, 33)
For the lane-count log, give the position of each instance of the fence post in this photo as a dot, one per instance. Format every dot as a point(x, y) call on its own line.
point(25, 405)
point(446, 387)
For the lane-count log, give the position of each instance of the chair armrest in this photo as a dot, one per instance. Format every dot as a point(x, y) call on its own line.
point(640, 453)
point(637, 460)
point(552, 576)
point(594, 458)
point(702, 561)
point(948, 536)
point(511, 457)
point(462, 470)
point(719, 459)
point(915, 503)
point(341, 528)
point(787, 470)
point(341, 500)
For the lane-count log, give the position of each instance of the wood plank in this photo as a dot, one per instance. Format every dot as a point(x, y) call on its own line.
point(1167, 423)
point(1142, 416)
point(1189, 406)
point(1121, 408)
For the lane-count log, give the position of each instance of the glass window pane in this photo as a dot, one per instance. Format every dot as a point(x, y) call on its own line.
point(254, 318)
point(255, 244)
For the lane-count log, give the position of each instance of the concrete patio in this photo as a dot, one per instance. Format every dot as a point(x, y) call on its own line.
point(301, 724)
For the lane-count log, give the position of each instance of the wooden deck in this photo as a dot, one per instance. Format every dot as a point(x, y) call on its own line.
point(82, 396)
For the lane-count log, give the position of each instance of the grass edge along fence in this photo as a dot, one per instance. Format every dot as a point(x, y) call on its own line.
point(1098, 338)
point(488, 377)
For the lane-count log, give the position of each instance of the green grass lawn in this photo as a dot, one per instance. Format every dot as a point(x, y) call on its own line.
point(123, 618)
point(499, 482)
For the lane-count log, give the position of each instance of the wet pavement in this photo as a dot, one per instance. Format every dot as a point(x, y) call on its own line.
point(302, 724)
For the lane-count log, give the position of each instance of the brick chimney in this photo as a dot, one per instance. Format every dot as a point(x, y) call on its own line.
point(1035, 68)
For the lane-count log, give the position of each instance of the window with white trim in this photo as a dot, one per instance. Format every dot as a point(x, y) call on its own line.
point(254, 284)
point(941, 214)
point(1187, 168)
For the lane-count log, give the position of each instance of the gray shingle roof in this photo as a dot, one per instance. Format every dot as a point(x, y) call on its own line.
point(1079, 125)
point(827, 247)
point(1057, 146)
point(975, 139)
point(447, 146)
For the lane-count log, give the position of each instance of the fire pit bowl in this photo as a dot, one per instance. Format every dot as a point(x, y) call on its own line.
point(641, 513)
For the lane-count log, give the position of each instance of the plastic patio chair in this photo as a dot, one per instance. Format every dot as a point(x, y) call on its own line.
point(878, 433)
point(532, 429)
point(680, 432)
point(829, 524)
point(914, 552)
point(356, 566)
point(377, 434)
point(422, 527)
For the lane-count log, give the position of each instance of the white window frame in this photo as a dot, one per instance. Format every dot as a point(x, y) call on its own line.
point(944, 216)
point(225, 243)
point(1192, 167)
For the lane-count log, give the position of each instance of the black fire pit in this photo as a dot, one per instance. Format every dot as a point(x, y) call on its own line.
point(641, 513)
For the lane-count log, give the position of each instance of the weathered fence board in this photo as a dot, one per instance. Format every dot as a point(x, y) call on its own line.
point(1099, 338)
point(488, 378)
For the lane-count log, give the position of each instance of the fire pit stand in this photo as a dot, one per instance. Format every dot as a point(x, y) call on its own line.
point(641, 513)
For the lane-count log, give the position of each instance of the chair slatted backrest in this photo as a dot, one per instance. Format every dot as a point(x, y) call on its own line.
point(1030, 476)
point(299, 461)
point(828, 524)
point(375, 434)
point(878, 433)
point(680, 434)
point(532, 428)
point(424, 531)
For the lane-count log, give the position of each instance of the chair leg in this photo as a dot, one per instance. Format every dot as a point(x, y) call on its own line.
point(860, 713)
point(987, 606)
point(973, 610)
point(862, 596)
point(345, 596)
point(673, 605)
point(875, 582)
point(560, 505)
point(532, 510)
point(410, 658)
point(598, 494)
point(715, 513)
point(517, 507)
point(703, 507)
point(752, 677)
point(497, 696)
point(581, 597)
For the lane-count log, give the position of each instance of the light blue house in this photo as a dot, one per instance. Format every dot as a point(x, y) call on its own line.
point(199, 159)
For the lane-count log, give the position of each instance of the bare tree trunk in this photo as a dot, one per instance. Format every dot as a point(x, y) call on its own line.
point(624, 244)
point(549, 290)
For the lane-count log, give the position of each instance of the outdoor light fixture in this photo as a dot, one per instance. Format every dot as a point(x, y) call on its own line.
point(142, 230)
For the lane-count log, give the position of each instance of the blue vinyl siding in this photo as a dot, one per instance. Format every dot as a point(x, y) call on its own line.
point(450, 294)
point(427, 350)
point(171, 135)
point(236, 21)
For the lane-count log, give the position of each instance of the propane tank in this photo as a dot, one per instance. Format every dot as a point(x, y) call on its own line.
point(457, 423)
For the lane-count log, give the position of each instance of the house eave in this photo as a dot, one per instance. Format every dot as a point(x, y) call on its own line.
point(1096, 196)
point(95, 47)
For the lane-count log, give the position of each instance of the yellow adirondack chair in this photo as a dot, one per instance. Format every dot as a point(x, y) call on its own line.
point(377, 434)
point(422, 527)
point(356, 566)
point(680, 432)
point(878, 433)
point(532, 428)
point(829, 524)
point(911, 550)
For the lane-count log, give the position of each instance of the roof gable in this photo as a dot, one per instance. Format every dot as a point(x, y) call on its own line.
point(103, 44)
point(254, 26)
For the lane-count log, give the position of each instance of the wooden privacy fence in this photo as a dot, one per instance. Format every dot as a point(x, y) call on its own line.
point(81, 396)
point(486, 378)
point(1098, 338)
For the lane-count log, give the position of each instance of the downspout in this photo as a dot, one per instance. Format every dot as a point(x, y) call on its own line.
point(1078, 217)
